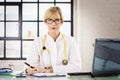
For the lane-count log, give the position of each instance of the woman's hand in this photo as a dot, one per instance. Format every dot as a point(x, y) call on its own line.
point(34, 70)
point(47, 70)
point(31, 70)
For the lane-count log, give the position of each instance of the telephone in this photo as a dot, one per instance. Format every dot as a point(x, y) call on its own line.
point(5, 70)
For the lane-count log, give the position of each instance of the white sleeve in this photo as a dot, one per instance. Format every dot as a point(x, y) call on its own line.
point(74, 60)
point(33, 56)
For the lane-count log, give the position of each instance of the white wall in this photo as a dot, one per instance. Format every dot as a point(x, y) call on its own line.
point(95, 19)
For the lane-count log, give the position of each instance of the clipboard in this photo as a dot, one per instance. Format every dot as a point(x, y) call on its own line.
point(40, 75)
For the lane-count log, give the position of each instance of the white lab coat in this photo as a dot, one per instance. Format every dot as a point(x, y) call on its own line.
point(56, 55)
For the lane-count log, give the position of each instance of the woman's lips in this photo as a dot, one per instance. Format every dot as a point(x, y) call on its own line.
point(53, 28)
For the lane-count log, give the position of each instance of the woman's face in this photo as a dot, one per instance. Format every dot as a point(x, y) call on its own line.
point(53, 24)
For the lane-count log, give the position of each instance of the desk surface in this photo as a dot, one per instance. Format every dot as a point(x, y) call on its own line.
point(47, 78)
point(86, 77)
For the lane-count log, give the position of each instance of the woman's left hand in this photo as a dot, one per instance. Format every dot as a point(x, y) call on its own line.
point(47, 70)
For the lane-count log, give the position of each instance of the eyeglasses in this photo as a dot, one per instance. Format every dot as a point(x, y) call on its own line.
point(50, 21)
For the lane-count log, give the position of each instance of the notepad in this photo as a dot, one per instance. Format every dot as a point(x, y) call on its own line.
point(49, 75)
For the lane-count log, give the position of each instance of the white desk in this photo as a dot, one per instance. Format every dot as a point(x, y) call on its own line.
point(86, 77)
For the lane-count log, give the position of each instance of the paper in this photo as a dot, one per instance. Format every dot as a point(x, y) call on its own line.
point(49, 75)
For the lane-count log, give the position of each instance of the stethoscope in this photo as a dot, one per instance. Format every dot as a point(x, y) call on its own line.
point(64, 61)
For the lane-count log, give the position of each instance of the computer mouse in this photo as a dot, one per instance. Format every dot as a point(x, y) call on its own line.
point(5, 70)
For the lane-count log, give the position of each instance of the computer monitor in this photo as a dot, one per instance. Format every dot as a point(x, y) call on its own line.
point(106, 57)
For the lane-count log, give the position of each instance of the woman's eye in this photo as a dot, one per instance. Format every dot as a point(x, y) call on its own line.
point(57, 20)
point(50, 20)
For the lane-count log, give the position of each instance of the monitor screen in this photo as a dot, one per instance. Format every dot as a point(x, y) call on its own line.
point(106, 57)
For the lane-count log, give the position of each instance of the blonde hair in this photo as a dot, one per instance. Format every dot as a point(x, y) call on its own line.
point(52, 12)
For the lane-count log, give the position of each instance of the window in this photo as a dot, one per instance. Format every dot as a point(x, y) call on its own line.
point(22, 20)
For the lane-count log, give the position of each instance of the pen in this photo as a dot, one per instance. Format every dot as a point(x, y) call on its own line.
point(29, 65)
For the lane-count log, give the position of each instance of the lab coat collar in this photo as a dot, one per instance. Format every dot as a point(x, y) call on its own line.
point(51, 39)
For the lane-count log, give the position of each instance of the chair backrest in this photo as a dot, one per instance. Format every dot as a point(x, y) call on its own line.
point(106, 60)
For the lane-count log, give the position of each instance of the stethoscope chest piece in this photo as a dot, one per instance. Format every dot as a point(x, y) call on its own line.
point(65, 62)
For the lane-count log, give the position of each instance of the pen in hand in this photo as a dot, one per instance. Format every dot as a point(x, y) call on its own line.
point(30, 66)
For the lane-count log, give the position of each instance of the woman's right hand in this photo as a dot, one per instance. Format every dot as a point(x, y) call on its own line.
point(31, 70)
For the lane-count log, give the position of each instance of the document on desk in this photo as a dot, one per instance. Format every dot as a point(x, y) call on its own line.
point(49, 75)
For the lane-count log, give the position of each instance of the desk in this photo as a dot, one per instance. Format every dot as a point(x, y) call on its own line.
point(47, 78)
point(108, 78)
point(86, 77)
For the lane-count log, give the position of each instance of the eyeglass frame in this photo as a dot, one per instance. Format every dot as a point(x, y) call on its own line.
point(55, 21)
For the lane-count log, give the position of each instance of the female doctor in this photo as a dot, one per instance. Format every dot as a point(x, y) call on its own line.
point(54, 51)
